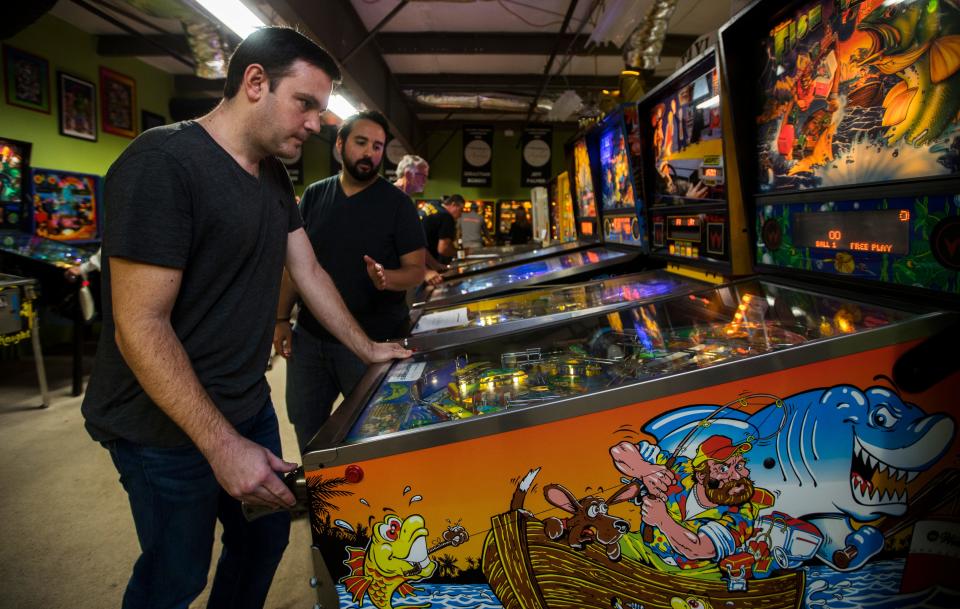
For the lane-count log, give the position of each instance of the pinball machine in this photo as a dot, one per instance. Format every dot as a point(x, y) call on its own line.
point(562, 219)
point(489, 258)
point(615, 249)
point(46, 260)
point(578, 213)
point(508, 211)
point(468, 321)
point(783, 440)
point(696, 218)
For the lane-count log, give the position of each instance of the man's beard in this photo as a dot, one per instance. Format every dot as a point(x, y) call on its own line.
point(721, 493)
point(358, 174)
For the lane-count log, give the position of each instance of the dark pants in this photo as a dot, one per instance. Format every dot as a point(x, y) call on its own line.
point(176, 501)
point(317, 372)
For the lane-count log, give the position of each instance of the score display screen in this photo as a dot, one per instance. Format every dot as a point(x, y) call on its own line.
point(685, 228)
point(885, 231)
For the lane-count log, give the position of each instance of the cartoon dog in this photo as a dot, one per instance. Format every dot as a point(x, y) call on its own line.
point(588, 520)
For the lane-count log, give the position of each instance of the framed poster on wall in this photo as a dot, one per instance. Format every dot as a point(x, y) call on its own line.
point(78, 107)
point(27, 80)
point(118, 103)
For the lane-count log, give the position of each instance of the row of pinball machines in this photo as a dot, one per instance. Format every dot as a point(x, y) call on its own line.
point(497, 217)
point(49, 222)
point(783, 438)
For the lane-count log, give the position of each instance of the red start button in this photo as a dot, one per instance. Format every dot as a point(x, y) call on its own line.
point(353, 474)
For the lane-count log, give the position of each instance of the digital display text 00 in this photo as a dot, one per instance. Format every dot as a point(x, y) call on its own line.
point(885, 231)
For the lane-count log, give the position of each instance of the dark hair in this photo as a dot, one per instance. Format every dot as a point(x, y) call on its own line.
point(456, 200)
point(367, 115)
point(276, 49)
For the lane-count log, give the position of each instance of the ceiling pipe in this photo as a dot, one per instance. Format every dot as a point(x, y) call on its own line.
point(644, 45)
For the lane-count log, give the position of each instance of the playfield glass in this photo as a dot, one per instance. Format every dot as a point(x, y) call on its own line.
point(48, 251)
point(549, 301)
point(512, 254)
point(618, 192)
point(595, 353)
point(859, 93)
point(688, 140)
point(583, 180)
point(523, 272)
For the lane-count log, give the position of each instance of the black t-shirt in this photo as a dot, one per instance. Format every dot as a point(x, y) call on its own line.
point(380, 222)
point(437, 226)
point(176, 199)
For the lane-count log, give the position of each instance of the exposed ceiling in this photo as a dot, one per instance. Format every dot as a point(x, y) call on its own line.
point(392, 50)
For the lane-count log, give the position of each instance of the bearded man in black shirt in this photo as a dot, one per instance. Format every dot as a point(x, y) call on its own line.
point(367, 235)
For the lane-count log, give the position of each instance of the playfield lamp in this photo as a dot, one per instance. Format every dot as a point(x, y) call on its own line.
point(240, 19)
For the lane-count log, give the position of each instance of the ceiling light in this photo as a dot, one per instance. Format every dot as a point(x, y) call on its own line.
point(713, 102)
point(238, 17)
point(339, 105)
point(233, 14)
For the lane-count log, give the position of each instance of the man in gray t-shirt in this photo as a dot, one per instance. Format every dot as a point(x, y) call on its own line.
point(472, 229)
point(201, 221)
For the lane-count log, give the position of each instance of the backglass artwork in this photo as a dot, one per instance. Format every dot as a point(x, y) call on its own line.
point(859, 93)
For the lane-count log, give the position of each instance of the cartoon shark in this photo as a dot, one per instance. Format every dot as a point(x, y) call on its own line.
point(839, 457)
point(919, 41)
point(396, 556)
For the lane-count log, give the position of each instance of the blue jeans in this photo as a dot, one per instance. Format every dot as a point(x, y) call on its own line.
point(317, 372)
point(176, 501)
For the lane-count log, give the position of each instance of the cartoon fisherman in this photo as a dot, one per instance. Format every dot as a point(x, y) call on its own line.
point(698, 510)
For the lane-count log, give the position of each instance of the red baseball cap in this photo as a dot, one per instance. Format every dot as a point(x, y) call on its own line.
point(719, 448)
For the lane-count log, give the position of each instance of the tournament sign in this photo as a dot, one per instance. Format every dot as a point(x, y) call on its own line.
point(477, 168)
point(536, 156)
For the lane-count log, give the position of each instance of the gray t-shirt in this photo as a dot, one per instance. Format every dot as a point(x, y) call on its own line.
point(471, 229)
point(175, 198)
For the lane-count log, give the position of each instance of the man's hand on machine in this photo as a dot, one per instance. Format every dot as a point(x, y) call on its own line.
point(248, 472)
point(384, 352)
point(432, 278)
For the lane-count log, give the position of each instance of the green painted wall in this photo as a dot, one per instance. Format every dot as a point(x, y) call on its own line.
point(446, 161)
point(69, 49)
point(316, 162)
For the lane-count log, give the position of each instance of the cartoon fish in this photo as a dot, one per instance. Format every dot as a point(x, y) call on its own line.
point(840, 457)
point(396, 556)
point(919, 41)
